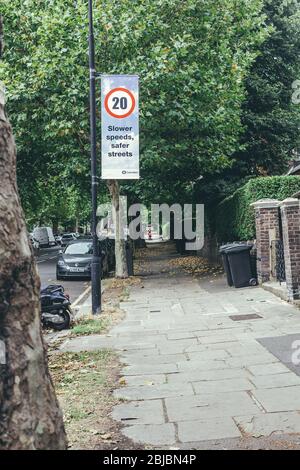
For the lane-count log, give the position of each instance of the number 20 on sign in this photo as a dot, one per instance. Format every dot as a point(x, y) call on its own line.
point(120, 127)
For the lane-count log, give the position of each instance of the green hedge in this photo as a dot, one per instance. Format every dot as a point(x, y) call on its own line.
point(235, 217)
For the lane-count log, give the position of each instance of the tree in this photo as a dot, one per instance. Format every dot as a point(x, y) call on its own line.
point(30, 417)
point(192, 56)
point(120, 243)
point(270, 118)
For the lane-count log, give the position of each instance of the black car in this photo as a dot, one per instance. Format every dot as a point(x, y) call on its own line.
point(75, 260)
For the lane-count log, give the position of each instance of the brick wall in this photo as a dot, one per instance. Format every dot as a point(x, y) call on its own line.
point(267, 229)
point(290, 215)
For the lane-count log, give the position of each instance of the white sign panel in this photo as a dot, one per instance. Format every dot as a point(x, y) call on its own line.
point(120, 126)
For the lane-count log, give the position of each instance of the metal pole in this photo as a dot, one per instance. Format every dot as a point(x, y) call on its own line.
point(96, 261)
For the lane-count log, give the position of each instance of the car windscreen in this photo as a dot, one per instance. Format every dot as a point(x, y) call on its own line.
point(83, 248)
point(67, 237)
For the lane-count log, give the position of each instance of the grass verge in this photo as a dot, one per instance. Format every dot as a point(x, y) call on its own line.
point(84, 383)
point(89, 326)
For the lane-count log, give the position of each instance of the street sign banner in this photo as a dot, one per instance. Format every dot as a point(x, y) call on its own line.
point(120, 126)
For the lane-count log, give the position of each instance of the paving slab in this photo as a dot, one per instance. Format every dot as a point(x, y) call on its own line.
point(201, 365)
point(279, 399)
point(87, 343)
point(208, 355)
point(149, 369)
point(207, 375)
point(251, 359)
point(250, 348)
point(153, 434)
point(142, 412)
point(159, 358)
point(173, 347)
point(208, 406)
point(146, 353)
point(268, 369)
point(181, 335)
point(154, 391)
point(149, 334)
point(270, 424)
point(220, 428)
point(137, 380)
point(132, 346)
point(275, 380)
point(210, 347)
point(227, 385)
point(223, 338)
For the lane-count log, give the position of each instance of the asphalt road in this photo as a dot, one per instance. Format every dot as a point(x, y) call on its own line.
point(46, 263)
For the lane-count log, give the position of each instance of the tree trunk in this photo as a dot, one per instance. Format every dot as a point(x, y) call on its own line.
point(55, 226)
point(30, 417)
point(120, 243)
point(77, 225)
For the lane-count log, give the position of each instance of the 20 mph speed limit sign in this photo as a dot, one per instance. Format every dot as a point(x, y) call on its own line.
point(119, 103)
point(120, 127)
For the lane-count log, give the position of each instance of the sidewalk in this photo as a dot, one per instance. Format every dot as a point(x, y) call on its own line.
point(206, 366)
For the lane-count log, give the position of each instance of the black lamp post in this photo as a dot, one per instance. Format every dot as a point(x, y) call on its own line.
point(96, 260)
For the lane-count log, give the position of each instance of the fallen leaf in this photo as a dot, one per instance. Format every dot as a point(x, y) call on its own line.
point(106, 436)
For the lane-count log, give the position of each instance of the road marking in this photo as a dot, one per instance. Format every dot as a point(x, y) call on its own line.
point(84, 293)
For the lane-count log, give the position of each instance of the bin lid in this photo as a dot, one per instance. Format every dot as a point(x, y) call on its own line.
point(223, 248)
point(238, 248)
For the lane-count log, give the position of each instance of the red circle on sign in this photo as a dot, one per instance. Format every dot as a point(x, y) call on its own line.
point(117, 115)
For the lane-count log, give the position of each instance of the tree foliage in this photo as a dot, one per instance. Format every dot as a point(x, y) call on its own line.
point(270, 118)
point(192, 58)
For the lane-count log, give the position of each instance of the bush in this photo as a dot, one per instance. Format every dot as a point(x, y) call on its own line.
point(234, 216)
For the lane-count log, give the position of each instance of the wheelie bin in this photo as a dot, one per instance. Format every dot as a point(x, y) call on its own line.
point(222, 251)
point(240, 265)
point(129, 258)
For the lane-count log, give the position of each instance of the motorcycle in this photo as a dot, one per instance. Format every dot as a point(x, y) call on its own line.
point(55, 307)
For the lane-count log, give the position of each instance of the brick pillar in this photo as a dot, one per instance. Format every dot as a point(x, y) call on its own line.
point(267, 229)
point(290, 215)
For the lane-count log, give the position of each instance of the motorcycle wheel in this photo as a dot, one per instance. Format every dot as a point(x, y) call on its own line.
point(64, 323)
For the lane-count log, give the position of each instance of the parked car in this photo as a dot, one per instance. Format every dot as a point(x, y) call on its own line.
point(44, 235)
point(75, 260)
point(67, 238)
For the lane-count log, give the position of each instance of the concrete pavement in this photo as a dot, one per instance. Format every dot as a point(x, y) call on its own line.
point(197, 375)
